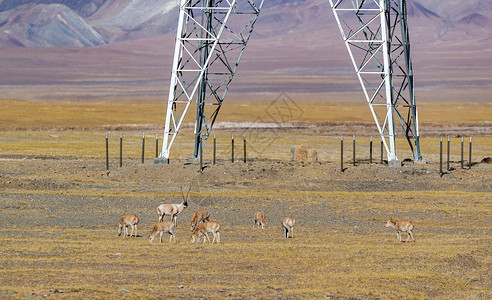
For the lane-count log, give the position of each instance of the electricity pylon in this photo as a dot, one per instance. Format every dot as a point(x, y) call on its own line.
point(375, 33)
point(211, 38)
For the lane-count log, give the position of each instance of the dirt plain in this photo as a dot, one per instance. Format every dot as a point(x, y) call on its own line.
point(59, 213)
point(59, 208)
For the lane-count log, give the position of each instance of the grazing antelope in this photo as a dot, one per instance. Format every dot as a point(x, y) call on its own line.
point(199, 216)
point(160, 228)
point(259, 220)
point(288, 224)
point(401, 226)
point(125, 221)
point(203, 229)
point(173, 209)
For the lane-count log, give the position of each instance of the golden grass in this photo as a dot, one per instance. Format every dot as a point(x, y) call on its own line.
point(451, 258)
point(83, 114)
point(75, 114)
point(312, 264)
point(40, 128)
point(261, 145)
point(322, 259)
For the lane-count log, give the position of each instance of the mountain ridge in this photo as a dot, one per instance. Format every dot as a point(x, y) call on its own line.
point(98, 22)
point(46, 25)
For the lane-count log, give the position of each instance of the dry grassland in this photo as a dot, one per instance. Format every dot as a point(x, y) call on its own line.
point(315, 263)
point(132, 114)
point(59, 210)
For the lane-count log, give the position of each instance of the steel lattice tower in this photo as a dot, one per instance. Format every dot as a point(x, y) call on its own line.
point(211, 38)
point(375, 33)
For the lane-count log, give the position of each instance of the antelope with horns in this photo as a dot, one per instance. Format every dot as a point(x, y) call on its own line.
point(125, 221)
point(160, 228)
point(259, 220)
point(173, 209)
point(199, 216)
point(288, 225)
point(203, 229)
point(401, 226)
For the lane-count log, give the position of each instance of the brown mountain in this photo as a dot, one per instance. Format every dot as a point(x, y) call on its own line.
point(296, 48)
point(46, 25)
point(95, 22)
point(475, 19)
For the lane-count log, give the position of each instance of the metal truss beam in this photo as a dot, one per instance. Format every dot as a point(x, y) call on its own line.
point(376, 36)
point(211, 38)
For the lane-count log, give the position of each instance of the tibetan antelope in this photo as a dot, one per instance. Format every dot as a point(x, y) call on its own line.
point(288, 225)
point(160, 228)
point(173, 210)
point(203, 229)
point(125, 221)
point(199, 216)
point(401, 226)
point(259, 220)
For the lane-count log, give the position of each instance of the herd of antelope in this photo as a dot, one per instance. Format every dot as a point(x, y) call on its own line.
point(201, 226)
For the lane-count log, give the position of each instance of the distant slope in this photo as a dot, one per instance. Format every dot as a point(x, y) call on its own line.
point(474, 18)
point(46, 25)
point(415, 9)
point(84, 8)
point(127, 20)
point(95, 22)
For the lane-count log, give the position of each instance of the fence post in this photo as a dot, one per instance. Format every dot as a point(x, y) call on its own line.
point(156, 146)
point(341, 155)
point(440, 156)
point(121, 150)
point(381, 152)
point(244, 138)
point(107, 155)
point(353, 149)
point(201, 155)
point(370, 151)
point(232, 158)
point(462, 152)
point(214, 147)
point(143, 147)
point(447, 158)
point(470, 158)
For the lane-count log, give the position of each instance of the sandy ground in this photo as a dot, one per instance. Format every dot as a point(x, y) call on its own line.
point(75, 194)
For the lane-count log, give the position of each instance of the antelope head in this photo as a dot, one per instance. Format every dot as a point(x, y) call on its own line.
point(185, 199)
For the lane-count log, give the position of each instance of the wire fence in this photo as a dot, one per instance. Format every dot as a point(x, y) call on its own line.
point(453, 153)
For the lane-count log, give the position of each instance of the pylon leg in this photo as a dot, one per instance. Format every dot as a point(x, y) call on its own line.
point(376, 37)
point(211, 38)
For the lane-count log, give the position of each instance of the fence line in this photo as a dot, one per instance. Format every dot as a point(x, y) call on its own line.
point(355, 160)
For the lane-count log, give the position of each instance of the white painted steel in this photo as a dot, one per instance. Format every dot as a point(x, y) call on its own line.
point(190, 69)
point(388, 83)
point(377, 69)
point(178, 54)
point(372, 28)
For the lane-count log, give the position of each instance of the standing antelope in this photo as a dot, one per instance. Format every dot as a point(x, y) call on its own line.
point(288, 224)
point(401, 226)
point(259, 220)
point(202, 230)
point(160, 228)
point(199, 216)
point(173, 209)
point(125, 221)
